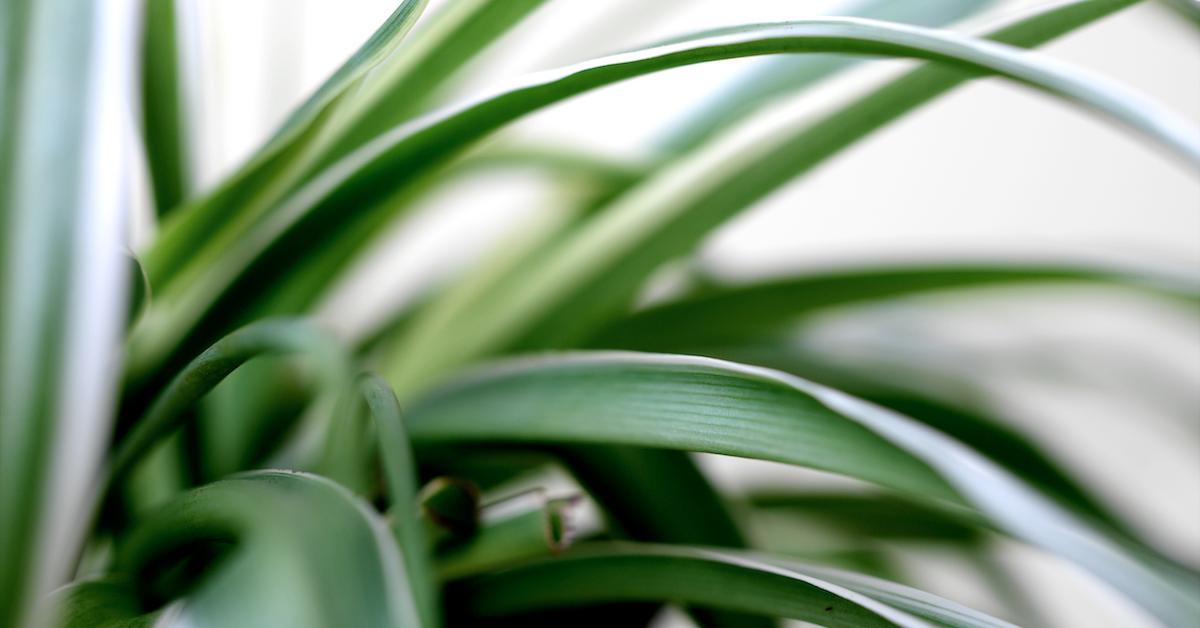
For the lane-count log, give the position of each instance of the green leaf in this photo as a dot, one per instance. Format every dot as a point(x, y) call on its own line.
point(454, 35)
point(610, 572)
point(400, 475)
point(752, 323)
point(201, 375)
point(659, 496)
point(777, 77)
point(108, 603)
point(593, 273)
point(236, 203)
point(295, 550)
point(63, 193)
point(871, 516)
point(735, 313)
point(785, 75)
point(386, 81)
point(699, 404)
point(165, 131)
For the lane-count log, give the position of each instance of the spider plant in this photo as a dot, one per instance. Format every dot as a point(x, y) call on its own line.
point(182, 443)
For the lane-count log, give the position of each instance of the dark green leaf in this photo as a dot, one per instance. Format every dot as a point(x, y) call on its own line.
point(699, 404)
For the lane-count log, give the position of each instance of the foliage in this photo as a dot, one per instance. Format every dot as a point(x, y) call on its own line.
point(192, 448)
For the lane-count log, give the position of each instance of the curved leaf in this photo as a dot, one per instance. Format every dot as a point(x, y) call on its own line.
point(785, 75)
point(345, 197)
point(388, 79)
point(592, 274)
point(268, 337)
point(610, 572)
point(300, 551)
point(700, 404)
point(230, 207)
point(736, 312)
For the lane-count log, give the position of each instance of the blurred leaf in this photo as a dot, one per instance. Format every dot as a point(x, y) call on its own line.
point(385, 82)
point(871, 516)
point(654, 495)
point(230, 207)
point(590, 275)
point(698, 404)
point(105, 603)
point(298, 550)
point(64, 173)
point(165, 129)
point(735, 313)
point(267, 337)
point(787, 74)
point(772, 79)
point(346, 196)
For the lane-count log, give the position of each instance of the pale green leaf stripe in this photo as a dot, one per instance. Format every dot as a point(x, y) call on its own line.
point(666, 215)
point(612, 572)
point(306, 553)
point(701, 404)
point(347, 192)
point(63, 170)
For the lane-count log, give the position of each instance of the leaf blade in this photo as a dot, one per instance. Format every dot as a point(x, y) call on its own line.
point(698, 404)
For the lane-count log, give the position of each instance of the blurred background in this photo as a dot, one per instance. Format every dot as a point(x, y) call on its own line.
point(1105, 382)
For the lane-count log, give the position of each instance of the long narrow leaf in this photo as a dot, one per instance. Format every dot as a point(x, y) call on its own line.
point(741, 311)
point(714, 578)
point(224, 208)
point(300, 551)
point(64, 172)
point(699, 404)
point(589, 276)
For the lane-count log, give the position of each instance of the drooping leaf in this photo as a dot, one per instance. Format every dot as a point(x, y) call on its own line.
point(785, 75)
point(698, 404)
point(591, 274)
point(294, 549)
point(612, 572)
point(387, 80)
point(167, 413)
